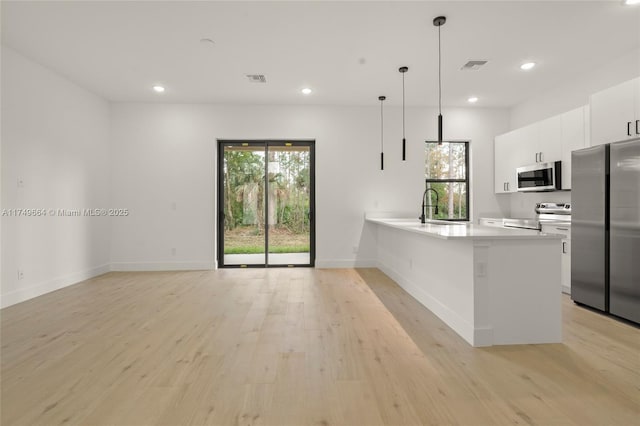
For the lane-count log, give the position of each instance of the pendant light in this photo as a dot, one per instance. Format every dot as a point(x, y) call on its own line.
point(381, 99)
point(403, 71)
point(439, 22)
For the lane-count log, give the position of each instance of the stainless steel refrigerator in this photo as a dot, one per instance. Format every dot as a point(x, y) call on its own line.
point(605, 230)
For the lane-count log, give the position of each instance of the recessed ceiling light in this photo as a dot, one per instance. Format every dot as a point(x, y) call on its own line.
point(306, 91)
point(472, 99)
point(158, 89)
point(631, 2)
point(527, 66)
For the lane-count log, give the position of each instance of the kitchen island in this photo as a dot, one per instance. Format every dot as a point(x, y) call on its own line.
point(493, 286)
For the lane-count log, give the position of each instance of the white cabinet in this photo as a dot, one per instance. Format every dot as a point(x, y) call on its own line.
point(508, 155)
point(528, 144)
point(574, 136)
point(615, 113)
point(539, 142)
point(565, 231)
point(548, 147)
point(504, 164)
point(548, 140)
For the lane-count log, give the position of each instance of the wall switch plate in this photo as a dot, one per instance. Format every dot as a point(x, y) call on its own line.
point(20, 274)
point(20, 183)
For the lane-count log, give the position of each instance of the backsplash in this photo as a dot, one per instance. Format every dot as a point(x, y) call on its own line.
point(523, 204)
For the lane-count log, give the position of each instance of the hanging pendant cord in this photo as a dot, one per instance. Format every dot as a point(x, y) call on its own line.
point(439, 75)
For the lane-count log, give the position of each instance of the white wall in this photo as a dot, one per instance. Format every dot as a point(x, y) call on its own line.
point(164, 154)
point(55, 139)
point(73, 150)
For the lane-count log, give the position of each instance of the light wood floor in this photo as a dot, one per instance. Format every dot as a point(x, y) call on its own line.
point(295, 347)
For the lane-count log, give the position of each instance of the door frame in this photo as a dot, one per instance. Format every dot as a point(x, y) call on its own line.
point(265, 143)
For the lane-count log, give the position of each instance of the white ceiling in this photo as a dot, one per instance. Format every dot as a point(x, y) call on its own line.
point(348, 52)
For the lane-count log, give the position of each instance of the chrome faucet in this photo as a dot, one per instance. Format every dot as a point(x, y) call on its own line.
point(423, 218)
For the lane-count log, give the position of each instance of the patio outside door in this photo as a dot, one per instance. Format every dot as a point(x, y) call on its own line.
point(266, 203)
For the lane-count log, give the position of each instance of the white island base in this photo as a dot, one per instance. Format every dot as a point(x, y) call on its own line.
point(492, 286)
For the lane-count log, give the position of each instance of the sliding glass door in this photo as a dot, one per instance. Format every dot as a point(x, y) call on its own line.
point(265, 203)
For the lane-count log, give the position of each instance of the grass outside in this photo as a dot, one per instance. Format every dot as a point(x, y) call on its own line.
point(245, 240)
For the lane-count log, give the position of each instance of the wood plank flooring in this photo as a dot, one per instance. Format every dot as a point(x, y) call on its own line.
point(295, 347)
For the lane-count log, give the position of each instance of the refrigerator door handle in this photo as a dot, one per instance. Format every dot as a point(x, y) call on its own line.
point(564, 247)
point(628, 128)
point(637, 127)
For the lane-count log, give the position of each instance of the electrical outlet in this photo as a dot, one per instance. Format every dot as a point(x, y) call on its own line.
point(481, 269)
point(20, 274)
point(173, 251)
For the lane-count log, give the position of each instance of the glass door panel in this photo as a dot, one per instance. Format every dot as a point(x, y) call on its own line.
point(243, 206)
point(289, 204)
point(266, 202)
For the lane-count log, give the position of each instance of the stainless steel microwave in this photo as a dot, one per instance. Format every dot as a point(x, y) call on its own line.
point(540, 177)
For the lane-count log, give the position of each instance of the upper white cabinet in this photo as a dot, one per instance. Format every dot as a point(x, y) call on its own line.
point(549, 146)
point(539, 142)
point(528, 140)
point(504, 166)
point(509, 154)
point(574, 136)
point(548, 140)
point(615, 113)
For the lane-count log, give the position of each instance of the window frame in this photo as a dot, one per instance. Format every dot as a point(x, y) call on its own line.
point(466, 180)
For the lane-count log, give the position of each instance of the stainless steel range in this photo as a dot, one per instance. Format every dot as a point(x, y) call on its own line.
point(559, 213)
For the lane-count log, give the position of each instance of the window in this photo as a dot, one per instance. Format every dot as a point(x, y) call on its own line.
point(447, 172)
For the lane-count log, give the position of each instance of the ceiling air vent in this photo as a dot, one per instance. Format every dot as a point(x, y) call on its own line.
point(473, 65)
point(257, 78)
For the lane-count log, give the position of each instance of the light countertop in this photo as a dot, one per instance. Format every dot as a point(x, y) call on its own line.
point(458, 230)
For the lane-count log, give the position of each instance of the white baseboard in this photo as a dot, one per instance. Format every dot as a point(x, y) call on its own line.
point(48, 286)
point(345, 263)
point(475, 337)
point(162, 266)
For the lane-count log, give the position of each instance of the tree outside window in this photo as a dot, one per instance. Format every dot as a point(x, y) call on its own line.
point(447, 171)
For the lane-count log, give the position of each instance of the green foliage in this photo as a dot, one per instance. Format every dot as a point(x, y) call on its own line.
point(288, 191)
point(243, 172)
point(447, 161)
point(260, 249)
